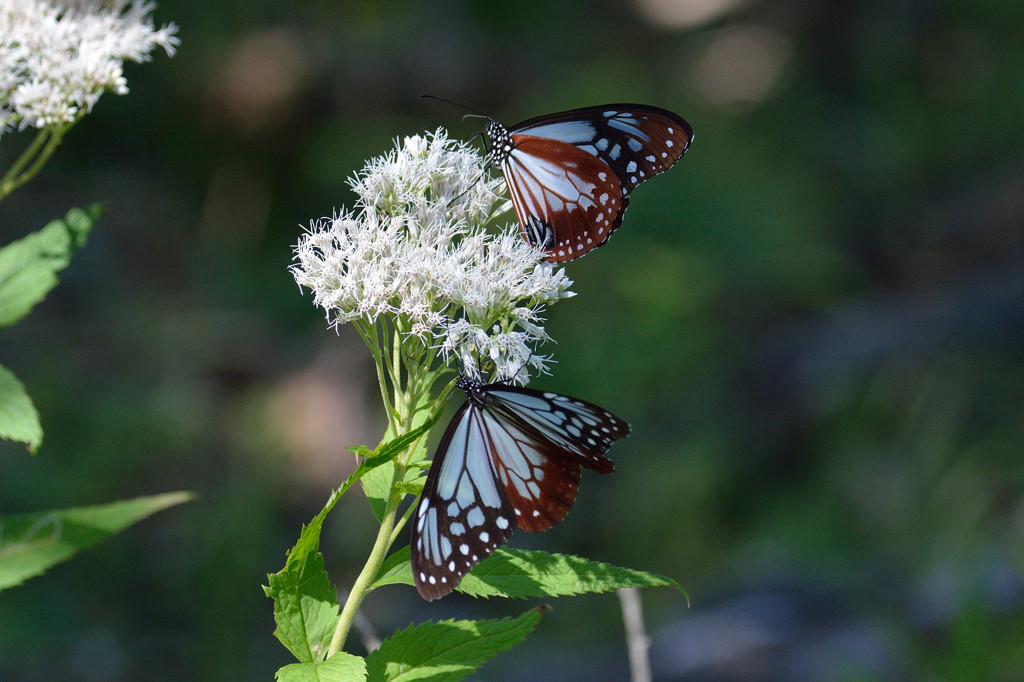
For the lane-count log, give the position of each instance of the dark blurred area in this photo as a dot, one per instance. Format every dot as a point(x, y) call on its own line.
point(814, 322)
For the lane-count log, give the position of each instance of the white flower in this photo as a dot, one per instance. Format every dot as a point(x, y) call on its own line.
point(416, 251)
point(57, 58)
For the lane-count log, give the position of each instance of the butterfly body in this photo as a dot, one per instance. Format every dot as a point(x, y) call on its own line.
point(510, 457)
point(570, 174)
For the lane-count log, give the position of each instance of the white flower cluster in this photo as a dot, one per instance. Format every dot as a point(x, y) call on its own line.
point(57, 58)
point(416, 250)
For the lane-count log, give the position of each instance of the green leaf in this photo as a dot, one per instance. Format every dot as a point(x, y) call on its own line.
point(305, 603)
point(360, 450)
point(396, 570)
point(521, 573)
point(340, 667)
point(29, 266)
point(32, 543)
point(19, 420)
point(377, 484)
point(448, 650)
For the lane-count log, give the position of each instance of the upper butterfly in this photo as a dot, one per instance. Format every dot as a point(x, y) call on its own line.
point(570, 174)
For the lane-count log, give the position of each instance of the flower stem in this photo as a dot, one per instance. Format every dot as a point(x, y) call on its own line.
point(407, 404)
point(369, 333)
point(26, 156)
point(361, 587)
point(34, 157)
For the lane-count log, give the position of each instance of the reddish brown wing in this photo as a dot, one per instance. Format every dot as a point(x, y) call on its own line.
point(637, 141)
point(538, 478)
point(567, 200)
point(539, 442)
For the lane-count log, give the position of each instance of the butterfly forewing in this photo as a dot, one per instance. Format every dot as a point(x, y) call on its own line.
point(632, 141)
point(510, 456)
point(581, 431)
point(464, 514)
point(637, 141)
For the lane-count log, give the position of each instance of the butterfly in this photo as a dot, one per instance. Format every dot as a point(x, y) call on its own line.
point(570, 174)
point(510, 457)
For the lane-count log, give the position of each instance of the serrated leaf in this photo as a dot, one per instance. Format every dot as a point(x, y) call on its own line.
point(32, 543)
point(360, 450)
point(29, 266)
point(448, 650)
point(305, 603)
point(19, 420)
point(520, 573)
point(305, 608)
point(340, 667)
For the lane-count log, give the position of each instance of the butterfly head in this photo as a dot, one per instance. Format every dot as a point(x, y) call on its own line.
point(500, 142)
point(473, 388)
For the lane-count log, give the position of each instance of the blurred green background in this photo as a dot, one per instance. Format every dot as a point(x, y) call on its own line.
point(814, 323)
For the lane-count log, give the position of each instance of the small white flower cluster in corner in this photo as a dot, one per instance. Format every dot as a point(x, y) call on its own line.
point(416, 251)
point(57, 58)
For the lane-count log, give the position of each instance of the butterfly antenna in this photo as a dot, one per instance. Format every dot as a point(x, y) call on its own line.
point(474, 112)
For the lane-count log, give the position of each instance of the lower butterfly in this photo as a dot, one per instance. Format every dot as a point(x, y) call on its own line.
point(510, 457)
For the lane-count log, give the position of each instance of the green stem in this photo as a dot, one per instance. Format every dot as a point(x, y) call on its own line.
point(370, 338)
point(30, 152)
point(34, 157)
point(401, 524)
point(361, 587)
point(401, 420)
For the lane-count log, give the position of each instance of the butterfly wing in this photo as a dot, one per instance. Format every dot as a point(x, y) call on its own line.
point(567, 201)
point(538, 480)
point(548, 438)
point(463, 515)
point(636, 141)
point(509, 453)
point(566, 205)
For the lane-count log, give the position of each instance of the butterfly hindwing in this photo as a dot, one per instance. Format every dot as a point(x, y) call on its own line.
point(567, 201)
point(510, 456)
point(538, 480)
